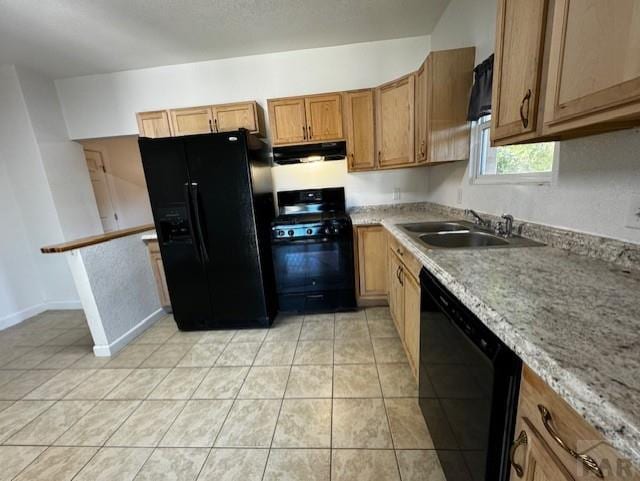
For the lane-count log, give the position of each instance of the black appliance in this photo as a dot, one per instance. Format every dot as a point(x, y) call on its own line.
point(312, 245)
point(294, 154)
point(469, 383)
point(212, 202)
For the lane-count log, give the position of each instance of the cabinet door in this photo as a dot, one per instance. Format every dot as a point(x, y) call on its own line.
point(533, 458)
point(158, 273)
point(395, 123)
point(324, 117)
point(421, 114)
point(396, 292)
point(594, 63)
point(372, 261)
point(194, 120)
point(360, 126)
point(154, 124)
point(519, 50)
point(288, 121)
point(412, 320)
point(230, 117)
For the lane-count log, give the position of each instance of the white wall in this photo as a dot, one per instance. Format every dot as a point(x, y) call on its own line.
point(365, 188)
point(595, 175)
point(63, 160)
point(126, 179)
point(105, 105)
point(24, 172)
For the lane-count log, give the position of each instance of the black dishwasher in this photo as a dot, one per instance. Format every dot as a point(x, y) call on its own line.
point(469, 383)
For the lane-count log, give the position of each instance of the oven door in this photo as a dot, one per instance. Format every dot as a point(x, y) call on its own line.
point(312, 265)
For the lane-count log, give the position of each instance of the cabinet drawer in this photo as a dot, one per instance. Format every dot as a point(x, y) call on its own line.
point(412, 264)
point(559, 424)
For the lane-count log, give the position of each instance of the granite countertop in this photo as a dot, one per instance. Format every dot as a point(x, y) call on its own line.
point(573, 319)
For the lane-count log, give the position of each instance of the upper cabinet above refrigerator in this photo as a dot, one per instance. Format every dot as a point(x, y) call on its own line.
point(565, 69)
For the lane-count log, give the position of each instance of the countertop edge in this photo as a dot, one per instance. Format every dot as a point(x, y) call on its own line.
point(603, 416)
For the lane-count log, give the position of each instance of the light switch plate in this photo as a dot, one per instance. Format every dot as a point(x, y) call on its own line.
point(632, 219)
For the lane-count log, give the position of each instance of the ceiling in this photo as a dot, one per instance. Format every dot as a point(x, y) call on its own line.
point(66, 38)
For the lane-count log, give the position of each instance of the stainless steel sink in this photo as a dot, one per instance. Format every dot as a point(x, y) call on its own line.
point(428, 227)
point(461, 234)
point(462, 239)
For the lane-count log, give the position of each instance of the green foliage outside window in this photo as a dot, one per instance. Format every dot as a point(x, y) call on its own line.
point(516, 159)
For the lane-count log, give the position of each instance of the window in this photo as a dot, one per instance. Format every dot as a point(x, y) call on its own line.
point(511, 164)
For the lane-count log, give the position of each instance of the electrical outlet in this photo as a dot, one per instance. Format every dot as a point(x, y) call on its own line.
point(396, 193)
point(459, 199)
point(633, 212)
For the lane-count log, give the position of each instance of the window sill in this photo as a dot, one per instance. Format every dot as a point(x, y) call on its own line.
point(515, 179)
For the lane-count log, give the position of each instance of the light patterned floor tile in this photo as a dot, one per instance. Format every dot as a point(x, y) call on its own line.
point(298, 465)
point(167, 355)
point(278, 353)
point(265, 382)
point(347, 351)
point(49, 425)
point(360, 423)
point(147, 425)
point(388, 350)
point(397, 380)
point(59, 385)
point(316, 330)
point(98, 424)
point(358, 315)
point(173, 464)
point(310, 382)
point(14, 459)
point(250, 424)
point(202, 355)
point(57, 463)
point(348, 329)
point(138, 384)
point(364, 465)
point(250, 335)
point(234, 465)
point(110, 464)
point(408, 428)
point(314, 352)
point(18, 415)
point(198, 424)
point(420, 466)
point(132, 356)
point(356, 380)
point(21, 386)
point(180, 383)
point(304, 423)
point(221, 383)
point(98, 384)
point(238, 354)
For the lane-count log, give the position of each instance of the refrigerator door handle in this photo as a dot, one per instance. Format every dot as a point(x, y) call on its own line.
point(187, 197)
point(196, 210)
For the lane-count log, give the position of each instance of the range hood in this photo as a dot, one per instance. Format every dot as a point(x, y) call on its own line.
point(295, 154)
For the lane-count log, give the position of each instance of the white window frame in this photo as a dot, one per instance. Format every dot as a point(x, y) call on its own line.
point(477, 178)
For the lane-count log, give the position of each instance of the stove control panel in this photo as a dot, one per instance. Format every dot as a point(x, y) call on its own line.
point(325, 229)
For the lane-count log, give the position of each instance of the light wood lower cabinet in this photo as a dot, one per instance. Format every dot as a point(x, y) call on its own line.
point(404, 300)
point(158, 273)
point(551, 428)
point(371, 264)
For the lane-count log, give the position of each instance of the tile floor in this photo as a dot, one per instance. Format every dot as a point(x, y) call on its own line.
point(318, 397)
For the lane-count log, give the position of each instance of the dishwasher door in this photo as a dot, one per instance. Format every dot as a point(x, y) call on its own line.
point(468, 387)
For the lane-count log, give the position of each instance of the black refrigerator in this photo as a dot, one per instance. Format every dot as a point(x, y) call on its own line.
point(212, 202)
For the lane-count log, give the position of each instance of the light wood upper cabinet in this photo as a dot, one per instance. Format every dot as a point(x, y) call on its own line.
point(154, 124)
point(421, 109)
point(193, 120)
point(241, 115)
point(371, 243)
point(360, 129)
point(324, 117)
point(519, 49)
point(395, 123)
point(449, 81)
point(594, 65)
point(288, 120)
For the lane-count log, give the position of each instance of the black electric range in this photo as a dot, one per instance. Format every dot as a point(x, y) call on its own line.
point(312, 244)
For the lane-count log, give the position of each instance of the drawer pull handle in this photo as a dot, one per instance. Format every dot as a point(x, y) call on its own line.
point(585, 459)
point(521, 441)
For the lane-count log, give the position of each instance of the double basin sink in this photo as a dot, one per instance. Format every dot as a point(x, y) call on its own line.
point(460, 234)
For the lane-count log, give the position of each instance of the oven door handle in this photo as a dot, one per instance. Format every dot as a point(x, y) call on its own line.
point(323, 240)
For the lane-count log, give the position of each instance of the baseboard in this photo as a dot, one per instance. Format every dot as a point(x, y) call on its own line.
point(64, 305)
point(127, 337)
point(18, 317)
point(23, 315)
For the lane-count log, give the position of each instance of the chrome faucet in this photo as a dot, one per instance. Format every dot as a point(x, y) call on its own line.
point(505, 229)
point(478, 220)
